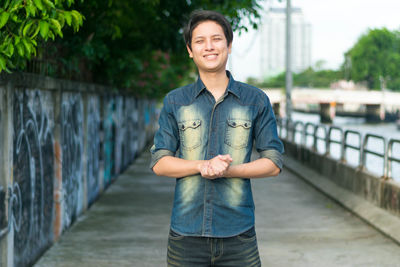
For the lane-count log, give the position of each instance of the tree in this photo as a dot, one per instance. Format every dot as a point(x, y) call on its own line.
point(375, 58)
point(138, 45)
point(25, 24)
point(307, 78)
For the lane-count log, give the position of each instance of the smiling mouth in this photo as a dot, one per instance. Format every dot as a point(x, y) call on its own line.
point(212, 56)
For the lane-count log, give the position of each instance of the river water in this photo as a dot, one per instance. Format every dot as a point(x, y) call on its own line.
point(373, 163)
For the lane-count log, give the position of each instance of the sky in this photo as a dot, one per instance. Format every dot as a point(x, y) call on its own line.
point(336, 27)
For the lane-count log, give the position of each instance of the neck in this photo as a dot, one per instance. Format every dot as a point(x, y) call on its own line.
point(215, 82)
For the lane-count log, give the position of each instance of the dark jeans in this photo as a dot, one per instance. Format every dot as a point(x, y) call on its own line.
point(241, 250)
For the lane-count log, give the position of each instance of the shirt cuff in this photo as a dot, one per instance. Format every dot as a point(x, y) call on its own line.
point(156, 156)
point(274, 156)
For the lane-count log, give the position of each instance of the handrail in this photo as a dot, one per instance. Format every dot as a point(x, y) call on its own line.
point(298, 131)
point(307, 134)
point(317, 138)
point(310, 129)
point(345, 145)
point(329, 140)
point(366, 151)
point(390, 158)
point(290, 130)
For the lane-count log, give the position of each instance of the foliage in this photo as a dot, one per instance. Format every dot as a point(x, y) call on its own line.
point(317, 79)
point(375, 58)
point(25, 24)
point(138, 44)
point(306, 78)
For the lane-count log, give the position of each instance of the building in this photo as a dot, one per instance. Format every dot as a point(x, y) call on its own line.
point(273, 42)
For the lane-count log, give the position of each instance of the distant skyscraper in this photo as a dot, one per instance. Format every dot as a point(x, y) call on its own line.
point(273, 42)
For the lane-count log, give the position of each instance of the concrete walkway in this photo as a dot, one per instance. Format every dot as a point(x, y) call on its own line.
point(296, 226)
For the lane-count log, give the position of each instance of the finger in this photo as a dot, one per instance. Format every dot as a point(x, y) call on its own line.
point(220, 168)
point(223, 157)
point(218, 165)
point(210, 170)
point(226, 158)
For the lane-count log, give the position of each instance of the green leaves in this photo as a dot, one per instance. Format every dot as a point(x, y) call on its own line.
point(375, 59)
point(44, 29)
point(25, 22)
point(4, 18)
point(3, 64)
point(39, 4)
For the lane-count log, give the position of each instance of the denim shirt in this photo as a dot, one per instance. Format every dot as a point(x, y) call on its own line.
point(193, 124)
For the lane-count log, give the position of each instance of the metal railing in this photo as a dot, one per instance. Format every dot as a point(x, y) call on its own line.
point(366, 151)
point(320, 128)
point(330, 141)
point(298, 132)
point(318, 136)
point(308, 134)
point(346, 144)
point(389, 156)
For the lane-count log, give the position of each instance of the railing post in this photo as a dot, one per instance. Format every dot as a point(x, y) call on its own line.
point(328, 142)
point(387, 163)
point(342, 148)
point(362, 152)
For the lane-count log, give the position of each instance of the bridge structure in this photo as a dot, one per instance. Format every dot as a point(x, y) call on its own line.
point(375, 106)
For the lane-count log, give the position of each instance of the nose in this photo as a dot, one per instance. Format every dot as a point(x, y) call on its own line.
point(209, 45)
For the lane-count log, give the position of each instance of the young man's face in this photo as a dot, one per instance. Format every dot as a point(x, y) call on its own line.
point(209, 47)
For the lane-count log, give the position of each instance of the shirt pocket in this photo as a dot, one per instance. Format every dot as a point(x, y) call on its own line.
point(190, 134)
point(237, 133)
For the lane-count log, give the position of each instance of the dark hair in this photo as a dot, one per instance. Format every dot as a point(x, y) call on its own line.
point(200, 16)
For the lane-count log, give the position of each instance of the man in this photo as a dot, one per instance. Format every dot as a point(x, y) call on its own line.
point(213, 125)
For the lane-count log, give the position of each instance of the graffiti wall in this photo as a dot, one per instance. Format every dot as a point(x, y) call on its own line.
point(131, 134)
point(109, 128)
point(67, 146)
point(119, 133)
point(31, 191)
point(72, 156)
point(92, 148)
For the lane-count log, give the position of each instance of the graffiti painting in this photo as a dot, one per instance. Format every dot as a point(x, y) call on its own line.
point(93, 149)
point(109, 128)
point(131, 133)
point(31, 201)
point(72, 155)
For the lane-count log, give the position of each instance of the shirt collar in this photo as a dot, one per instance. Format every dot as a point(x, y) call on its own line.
point(233, 86)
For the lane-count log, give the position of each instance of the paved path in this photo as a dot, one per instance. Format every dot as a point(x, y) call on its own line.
point(296, 226)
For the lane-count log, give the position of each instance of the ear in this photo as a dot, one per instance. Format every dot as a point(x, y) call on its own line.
point(189, 51)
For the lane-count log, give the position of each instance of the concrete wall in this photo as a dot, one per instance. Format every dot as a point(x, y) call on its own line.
point(380, 192)
point(61, 144)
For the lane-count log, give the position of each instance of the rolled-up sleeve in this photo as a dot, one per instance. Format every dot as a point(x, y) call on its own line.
point(166, 139)
point(267, 141)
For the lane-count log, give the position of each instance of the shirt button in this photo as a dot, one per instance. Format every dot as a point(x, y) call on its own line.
point(194, 124)
point(183, 127)
point(234, 123)
point(245, 125)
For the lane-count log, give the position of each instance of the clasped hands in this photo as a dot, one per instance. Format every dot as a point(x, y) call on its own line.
point(215, 167)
